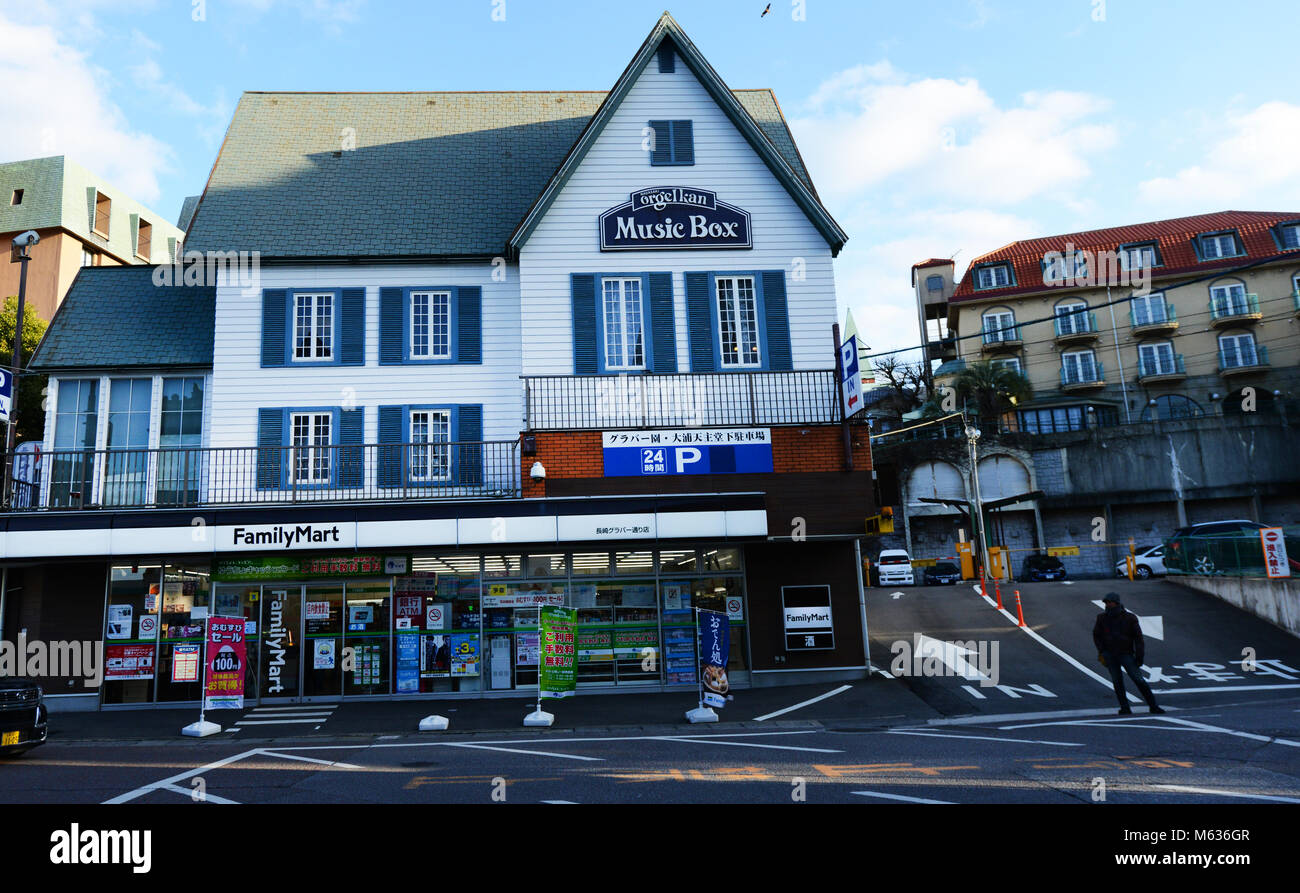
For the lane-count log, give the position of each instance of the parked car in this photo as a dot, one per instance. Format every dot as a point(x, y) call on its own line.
point(1041, 567)
point(945, 573)
point(1211, 546)
point(1146, 562)
point(24, 719)
point(895, 567)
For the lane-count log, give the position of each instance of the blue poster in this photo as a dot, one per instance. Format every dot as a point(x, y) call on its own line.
point(408, 661)
point(715, 649)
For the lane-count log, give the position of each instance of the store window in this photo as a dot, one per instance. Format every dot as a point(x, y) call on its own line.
point(234, 600)
point(367, 634)
point(618, 631)
point(131, 633)
point(634, 562)
point(502, 566)
point(719, 560)
point(677, 561)
point(184, 606)
point(548, 565)
point(590, 563)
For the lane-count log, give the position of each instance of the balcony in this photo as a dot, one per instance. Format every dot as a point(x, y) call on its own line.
point(1153, 321)
point(78, 480)
point(997, 340)
point(1152, 373)
point(1073, 380)
point(1233, 363)
point(1235, 310)
point(1076, 327)
point(682, 400)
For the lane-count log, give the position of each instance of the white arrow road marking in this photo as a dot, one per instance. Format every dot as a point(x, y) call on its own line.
point(896, 596)
point(1218, 793)
point(982, 738)
point(951, 654)
point(1153, 625)
point(900, 797)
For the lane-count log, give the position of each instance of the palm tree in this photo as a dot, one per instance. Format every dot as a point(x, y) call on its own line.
point(993, 390)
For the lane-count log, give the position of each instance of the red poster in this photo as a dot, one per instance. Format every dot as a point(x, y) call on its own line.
point(227, 654)
point(128, 662)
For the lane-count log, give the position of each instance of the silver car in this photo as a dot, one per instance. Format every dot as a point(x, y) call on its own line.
point(1147, 562)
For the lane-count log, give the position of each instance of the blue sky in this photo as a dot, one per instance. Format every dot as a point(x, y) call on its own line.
point(931, 129)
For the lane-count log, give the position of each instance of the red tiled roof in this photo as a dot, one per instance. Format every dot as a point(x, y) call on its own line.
point(1174, 238)
point(932, 262)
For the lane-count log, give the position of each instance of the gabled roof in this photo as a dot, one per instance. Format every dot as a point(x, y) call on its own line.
point(778, 157)
point(116, 318)
point(1173, 238)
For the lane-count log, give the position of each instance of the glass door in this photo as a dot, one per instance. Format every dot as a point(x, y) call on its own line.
point(281, 641)
point(322, 672)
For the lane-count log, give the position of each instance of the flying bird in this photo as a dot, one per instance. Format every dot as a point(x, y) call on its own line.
point(766, 11)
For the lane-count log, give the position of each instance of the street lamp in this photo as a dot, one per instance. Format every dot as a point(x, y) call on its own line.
point(22, 254)
point(972, 438)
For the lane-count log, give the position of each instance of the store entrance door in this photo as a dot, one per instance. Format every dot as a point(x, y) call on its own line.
point(281, 635)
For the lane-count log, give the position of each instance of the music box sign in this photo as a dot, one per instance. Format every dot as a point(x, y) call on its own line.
point(674, 217)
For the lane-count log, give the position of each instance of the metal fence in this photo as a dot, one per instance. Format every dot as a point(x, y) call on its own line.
point(1225, 555)
point(228, 476)
point(604, 402)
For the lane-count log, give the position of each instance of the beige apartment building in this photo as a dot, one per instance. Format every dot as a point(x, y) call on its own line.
point(82, 220)
point(1170, 319)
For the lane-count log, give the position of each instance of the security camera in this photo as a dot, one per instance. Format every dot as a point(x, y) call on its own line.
point(29, 238)
point(538, 471)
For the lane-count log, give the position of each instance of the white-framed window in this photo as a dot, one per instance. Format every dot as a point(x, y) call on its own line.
point(1137, 257)
point(1000, 325)
point(737, 304)
point(1012, 363)
point(1295, 284)
point(1291, 236)
point(1218, 245)
point(1079, 366)
point(1062, 268)
point(430, 445)
point(1237, 350)
point(1156, 358)
point(1149, 309)
point(313, 326)
point(430, 325)
point(1229, 300)
point(624, 323)
point(1072, 319)
point(311, 454)
point(997, 276)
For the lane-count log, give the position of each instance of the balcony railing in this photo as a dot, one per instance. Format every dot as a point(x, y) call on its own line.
point(604, 402)
point(1161, 369)
point(1231, 360)
point(1159, 316)
point(1076, 324)
point(1234, 307)
point(1073, 376)
point(234, 476)
point(997, 337)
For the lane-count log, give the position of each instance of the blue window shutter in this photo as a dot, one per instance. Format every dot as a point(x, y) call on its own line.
point(583, 290)
point(352, 320)
point(699, 313)
point(662, 153)
point(352, 462)
point(683, 142)
point(275, 308)
point(392, 327)
point(392, 433)
point(271, 440)
point(776, 315)
point(663, 331)
point(469, 324)
point(666, 62)
point(468, 461)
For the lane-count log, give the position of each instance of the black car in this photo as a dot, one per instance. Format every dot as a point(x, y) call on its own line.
point(1042, 567)
point(945, 573)
point(24, 719)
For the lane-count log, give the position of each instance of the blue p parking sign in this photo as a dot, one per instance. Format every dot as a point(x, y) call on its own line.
point(6, 394)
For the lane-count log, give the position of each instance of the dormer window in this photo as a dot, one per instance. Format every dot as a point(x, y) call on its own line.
point(1219, 245)
point(995, 276)
point(1061, 267)
point(934, 283)
point(1139, 257)
point(1289, 236)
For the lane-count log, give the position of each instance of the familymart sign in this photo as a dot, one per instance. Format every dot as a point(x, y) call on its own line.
point(674, 217)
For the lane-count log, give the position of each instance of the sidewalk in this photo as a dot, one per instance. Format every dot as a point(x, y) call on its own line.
point(867, 702)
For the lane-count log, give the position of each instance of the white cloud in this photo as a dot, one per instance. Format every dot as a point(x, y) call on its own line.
point(1253, 162)
point(55, 102)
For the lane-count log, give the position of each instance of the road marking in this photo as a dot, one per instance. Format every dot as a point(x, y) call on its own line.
point(1059, 653)
point(829, 694)
point(1214, 688)
point(557, 740)
point(994, 718)
point(569, 802)
point(537, 753)
point(145, 789)
point(204, 798)
point(1217, 793)
point(1153, 625)
point(901, 797)
point(752, 744)
point(294, 756)
point(274, 722)
point(296, 714)
point(951, 655)
point(982, 738)
point(1205, 727)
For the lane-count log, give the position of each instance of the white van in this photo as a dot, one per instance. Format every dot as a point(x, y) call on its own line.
point(895, 568)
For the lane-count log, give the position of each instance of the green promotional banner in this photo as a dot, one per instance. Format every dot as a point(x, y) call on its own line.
point(557, 677)
point(259, 568)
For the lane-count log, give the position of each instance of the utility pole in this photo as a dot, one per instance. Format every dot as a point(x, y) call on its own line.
point(22, 255)
point(972, 437)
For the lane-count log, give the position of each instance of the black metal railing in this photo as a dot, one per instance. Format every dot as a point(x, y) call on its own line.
point(696, 399)
point(228, 476)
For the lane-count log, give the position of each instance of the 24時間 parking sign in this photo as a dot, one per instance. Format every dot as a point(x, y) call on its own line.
point(687, 451)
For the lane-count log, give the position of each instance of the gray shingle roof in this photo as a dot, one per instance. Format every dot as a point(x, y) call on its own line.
point(116, 317)
point(187, 212)
point(399, 174)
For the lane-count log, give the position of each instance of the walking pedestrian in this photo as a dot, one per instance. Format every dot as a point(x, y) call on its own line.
point(1121, 648)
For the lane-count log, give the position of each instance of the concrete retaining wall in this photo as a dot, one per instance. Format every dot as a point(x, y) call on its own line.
point(1277, 601)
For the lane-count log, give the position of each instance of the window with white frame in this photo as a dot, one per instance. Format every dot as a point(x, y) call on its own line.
point(1291, 236)
point(430, 445)
point(430, 325)
point(1000, 325)
point(1012, 363)
point(1229, 300)
point(998, 276)
point(1156, 359)
point(1062, 268)
point(1149, 309)
point(1072, 318)
point(1237, 350)
point(313, 326)
point(1295, 284)
point(1137, 257)
point(310, 439)
point(1218, 245)
point(738, 321)
point(1079, 366)
point(624, 329)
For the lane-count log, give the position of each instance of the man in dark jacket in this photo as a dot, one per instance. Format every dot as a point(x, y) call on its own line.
point(1120, 646)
